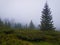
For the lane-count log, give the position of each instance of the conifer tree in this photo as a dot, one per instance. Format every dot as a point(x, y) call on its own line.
point(46, 19)
point(31, 25)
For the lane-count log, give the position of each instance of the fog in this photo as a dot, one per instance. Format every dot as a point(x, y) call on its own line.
point(24, 11)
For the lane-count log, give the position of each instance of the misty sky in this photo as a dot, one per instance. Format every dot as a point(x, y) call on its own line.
point(24, 11)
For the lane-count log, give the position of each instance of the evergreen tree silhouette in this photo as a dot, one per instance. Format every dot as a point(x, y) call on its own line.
point(46, 19)
point(31, 25)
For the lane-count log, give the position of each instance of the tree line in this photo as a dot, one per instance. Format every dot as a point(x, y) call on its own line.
point(46, 22)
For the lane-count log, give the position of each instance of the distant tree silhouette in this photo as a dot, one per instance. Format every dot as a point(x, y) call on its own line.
point(7, 24)
point(18, 25)
point(46, 20)
point(26, 26)
point(31, 25)
point(1, 23)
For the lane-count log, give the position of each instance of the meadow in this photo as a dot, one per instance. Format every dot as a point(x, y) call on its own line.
point(29, 37)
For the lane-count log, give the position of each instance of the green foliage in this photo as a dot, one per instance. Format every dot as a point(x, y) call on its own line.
point(36, 35)
point(29, 37)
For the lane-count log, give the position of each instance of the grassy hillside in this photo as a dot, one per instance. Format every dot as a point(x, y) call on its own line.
point(29, 37)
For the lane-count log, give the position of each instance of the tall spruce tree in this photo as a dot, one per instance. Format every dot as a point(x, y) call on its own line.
point(46, 20)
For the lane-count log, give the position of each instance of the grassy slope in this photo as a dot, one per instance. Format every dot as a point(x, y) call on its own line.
point(11, 39)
